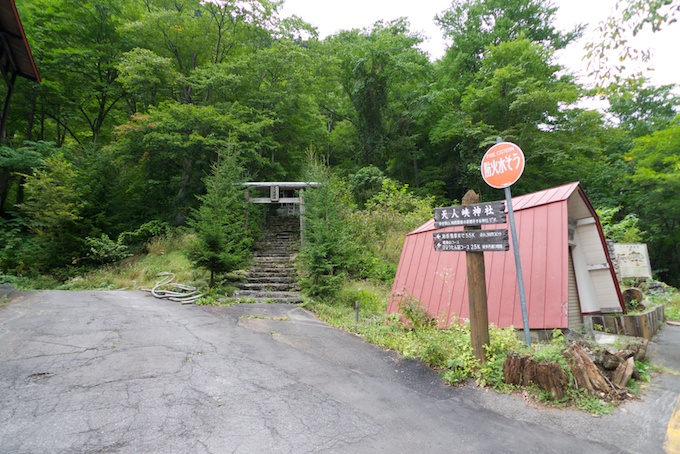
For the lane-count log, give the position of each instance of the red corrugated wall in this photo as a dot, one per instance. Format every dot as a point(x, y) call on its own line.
point(438, 279)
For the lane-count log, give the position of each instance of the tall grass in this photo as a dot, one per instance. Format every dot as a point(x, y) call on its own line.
point(166, 254)
point(672, 307)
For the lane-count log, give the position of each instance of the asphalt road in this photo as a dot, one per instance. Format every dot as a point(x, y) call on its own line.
point(126, 373)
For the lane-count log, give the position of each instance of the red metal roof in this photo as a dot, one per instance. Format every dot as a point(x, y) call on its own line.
point(14, 43)
point(523, 202)
point(438, 279)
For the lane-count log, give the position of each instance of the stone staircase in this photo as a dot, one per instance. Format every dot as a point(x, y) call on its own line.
point(272, 275)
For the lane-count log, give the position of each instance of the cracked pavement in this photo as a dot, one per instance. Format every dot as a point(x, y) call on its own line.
point(120, 371)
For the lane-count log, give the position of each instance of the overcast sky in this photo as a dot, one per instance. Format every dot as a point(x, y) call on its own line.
point(330, 16)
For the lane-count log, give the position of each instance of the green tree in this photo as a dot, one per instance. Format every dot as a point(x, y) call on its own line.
point(328, 252)
point(147, 79)
point(221, 244)
point(78, 45)
point(475, 25)
point(385, 77)
point(641, 108)
point(15, 164)
point(163, 156)
point(653, 197)
point(366, 183)
point(53, 205)
point(625, 230)
point(278, 83)
point(516, 94)
point(631, 17)
point(497, 79)
point(195, 33)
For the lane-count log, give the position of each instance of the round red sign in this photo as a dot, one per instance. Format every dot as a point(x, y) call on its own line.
point(502, 165)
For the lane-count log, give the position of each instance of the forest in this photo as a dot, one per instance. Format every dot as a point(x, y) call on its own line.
point(144, 104)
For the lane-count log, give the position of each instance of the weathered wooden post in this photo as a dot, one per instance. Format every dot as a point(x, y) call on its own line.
point(302, 216)
point(476, 281)
point(473, 241)
point(246, 196)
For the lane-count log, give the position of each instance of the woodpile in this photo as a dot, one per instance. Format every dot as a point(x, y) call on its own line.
point(601, 371)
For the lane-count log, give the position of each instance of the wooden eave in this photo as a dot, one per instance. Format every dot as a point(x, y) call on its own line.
point(15, 53)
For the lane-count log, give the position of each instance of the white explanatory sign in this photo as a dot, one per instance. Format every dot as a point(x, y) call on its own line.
point(633, 260)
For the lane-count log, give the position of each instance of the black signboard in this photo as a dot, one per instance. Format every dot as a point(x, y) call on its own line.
point(470, 215)
point(472, 241)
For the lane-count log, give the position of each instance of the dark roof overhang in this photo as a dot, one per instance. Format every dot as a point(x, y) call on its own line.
point(15, 53)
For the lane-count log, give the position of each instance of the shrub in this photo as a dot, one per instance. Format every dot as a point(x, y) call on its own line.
point(145, 233)
point(414, 312)
point(366, 183)
point(19, 250)
point(103, 250)
point(381, 227)
point(625, 230)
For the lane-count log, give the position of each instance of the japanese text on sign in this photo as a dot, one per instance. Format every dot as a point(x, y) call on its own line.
point(469, 215)
point(502, 165)
point(472, 240)
point(445, 247)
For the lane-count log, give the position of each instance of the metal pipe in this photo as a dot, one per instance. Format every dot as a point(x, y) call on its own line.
point(518, 266)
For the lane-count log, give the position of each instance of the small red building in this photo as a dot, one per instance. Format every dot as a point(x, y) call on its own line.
point(565, 264)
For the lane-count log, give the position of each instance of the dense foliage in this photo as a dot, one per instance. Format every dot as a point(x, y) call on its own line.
point(139, 99)
point(222, 239)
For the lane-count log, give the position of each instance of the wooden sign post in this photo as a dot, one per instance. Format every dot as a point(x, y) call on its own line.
point(476, 282)
point(474, 241)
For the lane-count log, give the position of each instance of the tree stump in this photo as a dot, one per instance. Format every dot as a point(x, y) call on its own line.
point(585, 372)
point(524, 370)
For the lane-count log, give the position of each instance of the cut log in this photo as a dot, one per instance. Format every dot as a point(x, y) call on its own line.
point(524, 370)
point(609, 359)
point(632, 294)
point(623, 373)
point(639, 349)
point(586, 373)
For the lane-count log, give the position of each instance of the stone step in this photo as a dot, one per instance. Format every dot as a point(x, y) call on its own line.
point(282, 300)
point(276, 244)
point(281, 277)
point(269, 286)
point(274, 265)
point(272, 260)
point(269, 278)
point(276, 261)
point(266, 295)
point(272, 275)
point(270, 253)
point(271, 268)
point(276, 255)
